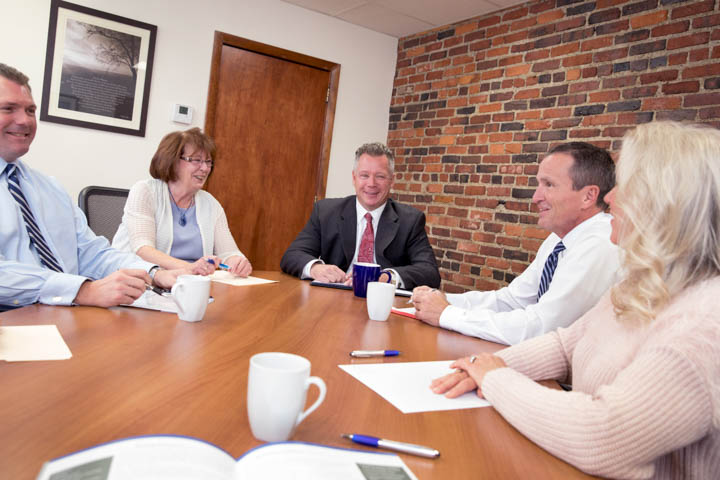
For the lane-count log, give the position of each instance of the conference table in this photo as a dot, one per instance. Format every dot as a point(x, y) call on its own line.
point(137, 372)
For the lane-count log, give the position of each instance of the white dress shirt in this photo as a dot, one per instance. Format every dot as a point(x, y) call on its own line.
point(587, 267)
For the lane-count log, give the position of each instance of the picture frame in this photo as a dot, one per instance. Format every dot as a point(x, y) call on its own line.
point(98, 68)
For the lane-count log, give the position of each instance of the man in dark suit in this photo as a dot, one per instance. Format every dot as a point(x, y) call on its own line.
point(366, 227)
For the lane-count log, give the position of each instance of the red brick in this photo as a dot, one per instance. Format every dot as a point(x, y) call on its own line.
point(681, 87)
point(699, 54)
point(537, 55)
point(525, 94)
point(670, 29)
point(648, 19)
point(688, 40)
point(584, 86)
point(702, 100)
point(663, 76)
point(702, 71)
point(677, 58)
point(582, 59)
point(597, 43)
point(517, 70)
point(557, 112)
point(550, 16)
point(662, 103)
point(604, 96)
point(692, 9)
point(523, 24)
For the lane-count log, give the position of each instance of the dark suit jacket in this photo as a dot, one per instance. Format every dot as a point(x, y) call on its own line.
point(400, 242)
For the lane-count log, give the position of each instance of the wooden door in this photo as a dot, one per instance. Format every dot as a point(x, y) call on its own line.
point(270, 112)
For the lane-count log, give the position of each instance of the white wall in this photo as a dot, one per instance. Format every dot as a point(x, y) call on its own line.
point(79, 157)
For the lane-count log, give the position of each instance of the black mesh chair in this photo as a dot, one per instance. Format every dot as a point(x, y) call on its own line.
point(103, 207)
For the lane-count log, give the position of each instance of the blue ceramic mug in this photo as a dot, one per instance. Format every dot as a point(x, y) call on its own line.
point(364, 273)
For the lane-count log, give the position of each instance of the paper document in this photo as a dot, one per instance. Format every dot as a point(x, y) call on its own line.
point(32, 342)
point(222, 276)
point(162, 303)
point(407, 385)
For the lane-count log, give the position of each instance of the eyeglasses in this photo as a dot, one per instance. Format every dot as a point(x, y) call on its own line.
point(195, 162)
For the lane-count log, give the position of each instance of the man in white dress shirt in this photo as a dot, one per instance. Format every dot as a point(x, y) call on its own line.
point(47, 252)
point(574, 266)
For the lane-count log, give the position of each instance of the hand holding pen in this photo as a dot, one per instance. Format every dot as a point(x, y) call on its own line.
point(429, 304)
point(236, 264)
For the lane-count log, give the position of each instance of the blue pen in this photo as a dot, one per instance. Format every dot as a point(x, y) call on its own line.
point(222, 265)
point(374, 353)
point(393, 445)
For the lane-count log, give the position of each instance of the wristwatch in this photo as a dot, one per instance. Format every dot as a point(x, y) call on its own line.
point(153, 270)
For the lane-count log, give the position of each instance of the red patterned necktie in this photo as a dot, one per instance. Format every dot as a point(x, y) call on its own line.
point(367, 242)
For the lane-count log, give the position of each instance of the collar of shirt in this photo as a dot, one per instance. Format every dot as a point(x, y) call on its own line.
point(20, 168)
point(578, 233)
point(376, 214)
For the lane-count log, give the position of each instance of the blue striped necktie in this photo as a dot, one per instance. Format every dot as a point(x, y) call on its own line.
point(36, 238)
point(549, 269)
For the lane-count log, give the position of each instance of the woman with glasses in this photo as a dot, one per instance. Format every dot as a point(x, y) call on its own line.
point(645, 361)
point(171, 221)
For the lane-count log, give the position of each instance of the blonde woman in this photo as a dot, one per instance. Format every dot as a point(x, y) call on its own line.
point(645, 361)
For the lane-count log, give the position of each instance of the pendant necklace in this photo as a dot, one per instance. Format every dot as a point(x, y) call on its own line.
point(183, 211)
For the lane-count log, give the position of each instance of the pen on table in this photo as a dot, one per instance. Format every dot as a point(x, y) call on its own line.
point(374, 353)
point(157, 290)
point(393, 445)
point(221, 265)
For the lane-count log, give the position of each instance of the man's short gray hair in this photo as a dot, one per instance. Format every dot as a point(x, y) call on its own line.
point(375, 149)
point(14, 75)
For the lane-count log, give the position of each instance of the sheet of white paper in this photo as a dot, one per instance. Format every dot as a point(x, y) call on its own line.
point(222, 276)
point(32, 342)
point(407, 385)
point(152, 301)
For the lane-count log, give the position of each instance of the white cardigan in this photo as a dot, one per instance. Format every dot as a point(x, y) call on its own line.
point(147, 220)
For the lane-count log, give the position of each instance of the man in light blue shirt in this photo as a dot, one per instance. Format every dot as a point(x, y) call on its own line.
point(87, 270)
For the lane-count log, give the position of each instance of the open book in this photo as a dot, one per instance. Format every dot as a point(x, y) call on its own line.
point(171, 457)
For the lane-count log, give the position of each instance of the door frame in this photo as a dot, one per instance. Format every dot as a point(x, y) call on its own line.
point(222, 39)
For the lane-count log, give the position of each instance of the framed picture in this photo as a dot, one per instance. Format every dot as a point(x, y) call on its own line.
point(97, 70)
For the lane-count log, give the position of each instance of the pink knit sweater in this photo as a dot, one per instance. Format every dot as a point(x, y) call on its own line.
point(645, 400)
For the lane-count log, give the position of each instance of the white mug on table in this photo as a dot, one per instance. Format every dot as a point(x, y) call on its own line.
point(380, 297)
point(277, 390)
point(191, 294)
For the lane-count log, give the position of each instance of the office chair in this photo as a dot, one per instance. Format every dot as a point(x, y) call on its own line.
point(103, 207)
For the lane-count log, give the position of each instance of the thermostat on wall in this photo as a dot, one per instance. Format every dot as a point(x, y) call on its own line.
point(182, 114)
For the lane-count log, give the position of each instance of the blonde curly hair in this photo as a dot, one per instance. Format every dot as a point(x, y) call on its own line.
point(668, 178)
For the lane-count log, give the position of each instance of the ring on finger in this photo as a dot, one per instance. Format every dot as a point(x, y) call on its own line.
point(473, 358)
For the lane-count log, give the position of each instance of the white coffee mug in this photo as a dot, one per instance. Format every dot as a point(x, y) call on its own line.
point(277, 390)
point(380, 297)
point(191, 294)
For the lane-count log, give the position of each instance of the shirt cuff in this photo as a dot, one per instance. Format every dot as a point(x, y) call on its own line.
point(306, 270)
point(396, 278)
point(452, 317)
point(61, 289)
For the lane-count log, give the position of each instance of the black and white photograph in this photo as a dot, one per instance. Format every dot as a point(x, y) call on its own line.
point(98, 70)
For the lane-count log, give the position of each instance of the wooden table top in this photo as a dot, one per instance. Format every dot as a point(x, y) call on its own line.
point(136, 372)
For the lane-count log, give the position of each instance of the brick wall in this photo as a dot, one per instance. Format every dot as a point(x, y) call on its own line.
point(477, 103)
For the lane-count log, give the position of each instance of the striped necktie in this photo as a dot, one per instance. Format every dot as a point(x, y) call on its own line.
point(36, 238)
point(549, 269)
point(367, 242)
